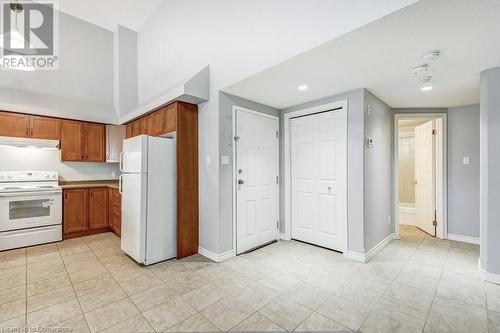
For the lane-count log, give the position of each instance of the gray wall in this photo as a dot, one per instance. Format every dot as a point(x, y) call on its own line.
point(378, 198)
point(226, 102)
point(489, 175)
point(463, 180)
point(126, 91)
point(82, 88)
point(355, 163)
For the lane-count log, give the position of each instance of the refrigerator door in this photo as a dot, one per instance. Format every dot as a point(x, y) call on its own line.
point(162, 201)
point(135, 155)
point(133, 229)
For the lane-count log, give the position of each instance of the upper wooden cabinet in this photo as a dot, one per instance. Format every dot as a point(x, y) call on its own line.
point(45, 128)
point(72, 140)
point(16, 124)
point(83, 142)
point(94, 142)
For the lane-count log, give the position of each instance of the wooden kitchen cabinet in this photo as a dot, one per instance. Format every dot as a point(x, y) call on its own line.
point(14, 124)
point(95, 142)
point(137, 127)
point(75, 211)
point(128, 131)
point(170, 119)
point(115, 210)
point(98, 208)
point(72, 140)
point(83, 142)
point(45, 128)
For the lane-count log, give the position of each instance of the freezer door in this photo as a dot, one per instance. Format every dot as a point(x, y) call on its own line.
point(135, 155)
point(133, 229)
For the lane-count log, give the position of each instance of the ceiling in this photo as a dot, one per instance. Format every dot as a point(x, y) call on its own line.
point(413, 122)
point(380, 56)
point(108, 14)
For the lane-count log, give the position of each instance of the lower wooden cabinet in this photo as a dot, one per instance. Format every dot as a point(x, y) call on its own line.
point(88, 211)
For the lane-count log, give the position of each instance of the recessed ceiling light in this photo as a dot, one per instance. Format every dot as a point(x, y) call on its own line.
point(426, 88)
point(303, 87)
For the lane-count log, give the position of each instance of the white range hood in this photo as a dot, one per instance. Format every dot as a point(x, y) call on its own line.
point(28, 142)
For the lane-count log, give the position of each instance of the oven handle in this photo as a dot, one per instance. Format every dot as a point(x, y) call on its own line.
point(28, 194)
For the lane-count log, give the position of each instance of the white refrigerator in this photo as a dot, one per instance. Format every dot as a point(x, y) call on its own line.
point(148, 188)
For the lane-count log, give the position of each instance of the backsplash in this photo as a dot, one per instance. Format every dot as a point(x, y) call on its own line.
point(32, 159)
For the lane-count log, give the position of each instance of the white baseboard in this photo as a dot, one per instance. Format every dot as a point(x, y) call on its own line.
point(489, 277)
point(379, 247)
point(360, 257)
point(214, 256)
point(356, 256)
point(282, 236)
point(465, 239)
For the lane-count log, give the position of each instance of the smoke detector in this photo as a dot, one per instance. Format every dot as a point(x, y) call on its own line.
point(430, 57)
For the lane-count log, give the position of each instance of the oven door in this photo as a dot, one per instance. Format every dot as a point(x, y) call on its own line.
point(21, 210)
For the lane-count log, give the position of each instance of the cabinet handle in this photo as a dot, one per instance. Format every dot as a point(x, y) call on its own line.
point(32, 132)
point(27, 131)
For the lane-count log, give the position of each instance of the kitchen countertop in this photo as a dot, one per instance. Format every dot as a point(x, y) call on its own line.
point(66, 185)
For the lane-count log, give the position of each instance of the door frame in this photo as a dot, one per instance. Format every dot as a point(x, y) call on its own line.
point(287, 177)
point(235, 172)
point(441, 170)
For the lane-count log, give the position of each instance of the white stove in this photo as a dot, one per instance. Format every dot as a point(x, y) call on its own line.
point(30, 208)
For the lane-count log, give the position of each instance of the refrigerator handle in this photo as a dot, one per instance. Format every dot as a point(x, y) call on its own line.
point(121, 162)
point(120, 184)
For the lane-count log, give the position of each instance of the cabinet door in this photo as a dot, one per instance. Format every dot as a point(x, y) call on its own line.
point(150, 125)
point(158, 122)
point(75, 211)
point(98, 208)
point(137, 127)
point(144, 125)
point(14, 124)
point(129, 130)
point(45, 128)
point(116, 211)
point(71, 140)
point(114, 137)
point(170, 118)
point(95, 142)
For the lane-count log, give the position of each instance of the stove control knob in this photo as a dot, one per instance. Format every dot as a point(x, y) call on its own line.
point(9, 177)
point(47, 176)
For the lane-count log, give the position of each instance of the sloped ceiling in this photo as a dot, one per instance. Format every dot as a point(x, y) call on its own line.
point(379, 56)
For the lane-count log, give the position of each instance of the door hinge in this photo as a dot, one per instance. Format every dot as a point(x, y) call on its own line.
point(435, 222)
point(434, 131)
point(277, 179)
point(277, 135)
point(278, 225)
point(236, 138)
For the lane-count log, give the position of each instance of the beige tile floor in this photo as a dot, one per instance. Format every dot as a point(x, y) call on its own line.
point(87, 284)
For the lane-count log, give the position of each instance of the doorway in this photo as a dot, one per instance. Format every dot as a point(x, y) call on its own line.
point(255, 179)
point(420, 175)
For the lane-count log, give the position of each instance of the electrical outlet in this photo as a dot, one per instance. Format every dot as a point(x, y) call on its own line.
point(113, 174)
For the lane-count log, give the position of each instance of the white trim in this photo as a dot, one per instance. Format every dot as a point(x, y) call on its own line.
point(379, 247)
point(442, 132)
point(465, 239)
point(356, 256)
point(214, 256)
point(489, 277)
point(287, 176)
point(235, 203)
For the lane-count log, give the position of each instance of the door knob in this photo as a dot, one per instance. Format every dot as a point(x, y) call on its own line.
point(241, 182)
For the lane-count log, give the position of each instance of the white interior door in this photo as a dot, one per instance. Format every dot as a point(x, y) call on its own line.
point(425, 175)
point(319, 178)
point(256, 177)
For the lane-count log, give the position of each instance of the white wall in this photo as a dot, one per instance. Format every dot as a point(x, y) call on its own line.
point(29, 159)
point(237, 39)
point(82, 88)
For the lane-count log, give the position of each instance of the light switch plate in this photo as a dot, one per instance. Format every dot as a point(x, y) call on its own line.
point(466, 160)
point(224, 160)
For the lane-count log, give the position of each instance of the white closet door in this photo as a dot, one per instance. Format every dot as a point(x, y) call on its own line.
point(319, 178)
point(257, 187)
point(425, 193)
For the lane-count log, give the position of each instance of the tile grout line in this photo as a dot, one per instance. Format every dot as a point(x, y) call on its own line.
point(119, 286)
